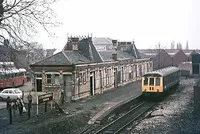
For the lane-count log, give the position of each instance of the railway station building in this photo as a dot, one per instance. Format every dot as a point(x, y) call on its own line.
point(88, 66)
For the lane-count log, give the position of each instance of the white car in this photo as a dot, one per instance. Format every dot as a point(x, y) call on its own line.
point(13, 93)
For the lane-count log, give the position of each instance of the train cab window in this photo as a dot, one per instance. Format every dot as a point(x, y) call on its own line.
point(157, 81)
point(151, 83)
point(146, 81)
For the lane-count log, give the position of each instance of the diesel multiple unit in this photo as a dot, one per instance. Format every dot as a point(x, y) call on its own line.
point(160, 81)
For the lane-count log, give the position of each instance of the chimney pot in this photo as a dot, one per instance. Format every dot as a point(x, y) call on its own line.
point(74, 39)
point(114, 42)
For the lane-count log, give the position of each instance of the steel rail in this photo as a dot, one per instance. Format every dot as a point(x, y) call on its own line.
point(119, 124)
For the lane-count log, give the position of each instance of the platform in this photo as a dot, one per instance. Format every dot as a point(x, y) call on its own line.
point(103, 104)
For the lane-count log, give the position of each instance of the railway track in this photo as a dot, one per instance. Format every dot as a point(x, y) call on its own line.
point(119, 124)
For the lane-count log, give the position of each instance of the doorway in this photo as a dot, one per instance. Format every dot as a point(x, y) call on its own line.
point(67, 81)
point(101, 81)
point(39, 84)
point(92, 83)
point(115, 77)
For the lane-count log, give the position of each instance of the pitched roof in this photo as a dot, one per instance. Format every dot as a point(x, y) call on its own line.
point(57, 59)
point(87, 53)
point(64, 58)
point(76, 57)
point(177, 52)
point(102, 41)
point(107, 55)
point(88, 49)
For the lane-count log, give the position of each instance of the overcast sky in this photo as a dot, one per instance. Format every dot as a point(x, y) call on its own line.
point(147, 22)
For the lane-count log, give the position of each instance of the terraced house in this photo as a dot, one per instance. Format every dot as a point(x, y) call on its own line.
point(88, 66)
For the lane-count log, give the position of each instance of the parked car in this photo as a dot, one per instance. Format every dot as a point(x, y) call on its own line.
point(13, 93)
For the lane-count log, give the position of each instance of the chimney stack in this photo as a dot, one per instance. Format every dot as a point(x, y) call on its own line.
point(74, 43)
point(114, 43)
point(114, 54)
point(123, 46)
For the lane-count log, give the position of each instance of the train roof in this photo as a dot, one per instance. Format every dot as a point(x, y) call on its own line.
point(163, 72)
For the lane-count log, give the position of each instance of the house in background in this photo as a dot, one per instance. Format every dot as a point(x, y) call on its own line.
point(87, 66)
point(163, 60)
point(178, 56)
point(160, 57)
point(189, 54)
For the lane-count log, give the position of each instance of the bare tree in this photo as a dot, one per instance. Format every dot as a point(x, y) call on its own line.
point(172, 45)
point(19, 19)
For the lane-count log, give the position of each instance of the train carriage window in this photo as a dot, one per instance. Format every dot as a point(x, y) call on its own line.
point(146, 81)
point(151, 82)
point(157, 81)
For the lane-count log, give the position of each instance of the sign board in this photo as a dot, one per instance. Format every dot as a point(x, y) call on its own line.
point(45, 98)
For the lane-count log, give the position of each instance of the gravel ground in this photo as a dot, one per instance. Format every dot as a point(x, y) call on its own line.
point(174, 115)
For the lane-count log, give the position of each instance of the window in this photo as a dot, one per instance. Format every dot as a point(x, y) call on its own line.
point(84, 77)
point(48, 76)
point(56, 79)
point(5, 92)
point(10, 92)
point(80, 78)
point(145, 81)
point(151, 82)
point(108, 76)
point(157, 81)
point(53, 79)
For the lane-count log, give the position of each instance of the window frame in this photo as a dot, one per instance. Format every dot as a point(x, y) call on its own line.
point(156, 82)
point(150, 84)
point(146, 78)
point(48, 80)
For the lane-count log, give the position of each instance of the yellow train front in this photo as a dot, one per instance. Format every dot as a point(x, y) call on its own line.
point(160, 81)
